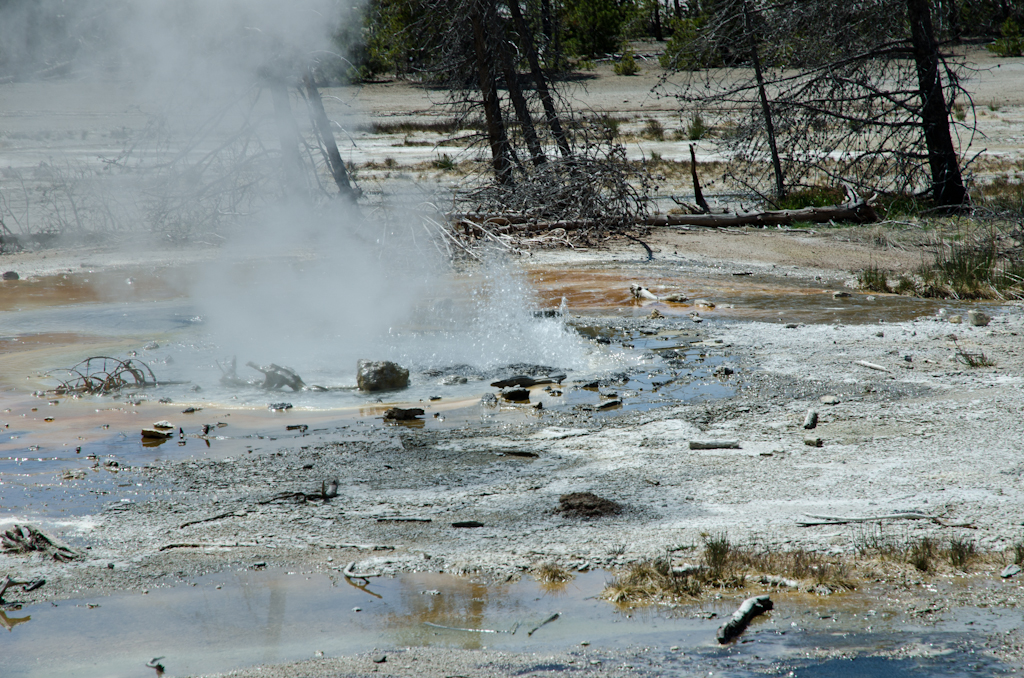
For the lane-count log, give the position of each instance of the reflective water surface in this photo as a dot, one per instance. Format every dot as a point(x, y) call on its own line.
point(244, 616)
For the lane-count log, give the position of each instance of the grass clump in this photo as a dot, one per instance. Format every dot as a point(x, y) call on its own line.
point(1018, 552)
point(815, 196)
point(974, 267)
point(962, 551)
point(653, 130)
point(978, 359)
point(717, 554)
point(921, 554)
point(874, 279)
point(651, 580)
point(696, 129)
point(444, 163)
point(626, 65)
point(552, 573)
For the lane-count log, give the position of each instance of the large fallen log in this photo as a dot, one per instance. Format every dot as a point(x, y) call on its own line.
point(855, 209)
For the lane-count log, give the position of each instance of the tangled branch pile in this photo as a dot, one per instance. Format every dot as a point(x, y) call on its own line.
point(99, 375)
point(27, 539)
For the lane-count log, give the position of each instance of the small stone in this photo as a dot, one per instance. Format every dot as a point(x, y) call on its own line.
point(955, 320)
point(453, 380)
point(829, 400)
point(279, 407)
point(813, 441)
point(978, 319)
point(870, 297)
point(380, 659)
point(655, 314)
point(11, 275)
point(382, 375)
point(357, 609)
point(1009, 571)
point(879, 334)
point(585, 643)
point(791, 326)
point(841, 295)
point(163, 424)
point(516, 394)
point(811, 420)
point(704, 303)
point(723, 371)
point(151, 346)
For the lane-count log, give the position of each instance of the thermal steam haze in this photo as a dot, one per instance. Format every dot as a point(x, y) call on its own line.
point(312, 286)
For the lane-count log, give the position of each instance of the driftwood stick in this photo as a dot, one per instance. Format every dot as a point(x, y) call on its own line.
point(741, 618)
point(839, 520)
point(871, 366)
point(229, 514)
point(546, 621)
point(403, 519)
point(356, 575)
point(196, 545)
point(456, 628)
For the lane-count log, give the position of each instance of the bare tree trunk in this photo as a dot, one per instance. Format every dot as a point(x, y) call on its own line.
point(323, 128)
point(288, 133)
point(540, 81)
point(657, 21)
point(522, 109)
point(947, 183)
point(492, 106)
point(780, 187)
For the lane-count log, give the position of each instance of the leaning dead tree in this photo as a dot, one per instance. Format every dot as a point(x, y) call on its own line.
point(546, 160)
point(807, 92)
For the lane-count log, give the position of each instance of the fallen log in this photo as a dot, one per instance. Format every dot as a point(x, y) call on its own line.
point(714, 444)
point(741, 618)
point(855, 209)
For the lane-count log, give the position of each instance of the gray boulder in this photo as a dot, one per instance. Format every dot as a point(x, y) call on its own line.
point(381, 375)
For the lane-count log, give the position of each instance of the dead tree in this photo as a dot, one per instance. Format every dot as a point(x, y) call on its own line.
point(829, 94)
point(325, 136)
point(947, 184)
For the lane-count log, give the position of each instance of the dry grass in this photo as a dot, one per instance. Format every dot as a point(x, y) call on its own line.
point(552, 574)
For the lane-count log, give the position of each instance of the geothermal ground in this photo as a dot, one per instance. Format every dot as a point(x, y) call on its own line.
point(171, 537)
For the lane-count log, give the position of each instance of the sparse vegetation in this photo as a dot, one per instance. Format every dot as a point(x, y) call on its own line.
point(626, 65)
point(552, 573)
point(444, 163)
point(696, 129)
point(1011, 44)
point(653, 130)
point(651, 580)
point(717, 552)
point(874, 279)
point(971, 359)
point(962, 550)
point(816, 196)
point(922, 552)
